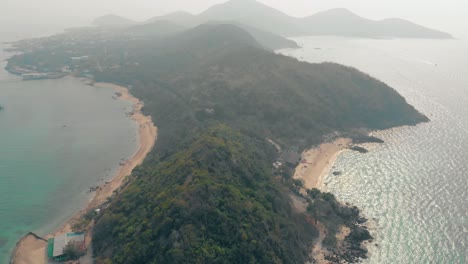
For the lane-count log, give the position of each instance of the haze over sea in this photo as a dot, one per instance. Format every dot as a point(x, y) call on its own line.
point(415, 185)
point(58, 138)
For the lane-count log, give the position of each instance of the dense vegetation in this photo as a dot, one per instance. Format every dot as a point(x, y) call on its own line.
point(207, 192)
point(212, 198)
point(224, 70)
point(213, 202)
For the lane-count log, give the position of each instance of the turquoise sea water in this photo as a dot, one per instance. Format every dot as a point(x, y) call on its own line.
point(415, 185)
point(57, 139)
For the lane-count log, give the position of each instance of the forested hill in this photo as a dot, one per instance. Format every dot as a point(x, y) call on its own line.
point(220, 74)
point(215, 201)
point(208, 193)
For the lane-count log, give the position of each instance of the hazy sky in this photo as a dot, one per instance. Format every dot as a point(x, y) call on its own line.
point(447, 15)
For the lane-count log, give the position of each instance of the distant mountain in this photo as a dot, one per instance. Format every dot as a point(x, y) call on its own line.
point(395, 27)
point(211, 37)
point(266, 39)
point(158, 28)
point(343, 22)
point(265, 22)
point(269, 40)
point(255, 14)
point(181, 18)
point(336, 22)
point(112, 21)
point(339, 22)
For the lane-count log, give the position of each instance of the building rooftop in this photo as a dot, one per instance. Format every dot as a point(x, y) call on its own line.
point(60, 242)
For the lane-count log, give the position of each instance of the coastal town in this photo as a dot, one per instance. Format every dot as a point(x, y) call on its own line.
point(78, 51)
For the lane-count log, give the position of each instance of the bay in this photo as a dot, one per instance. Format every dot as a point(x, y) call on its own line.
point(58, 138)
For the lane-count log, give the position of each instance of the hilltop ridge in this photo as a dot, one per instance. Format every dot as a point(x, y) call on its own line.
point(180, 17)
point(112, 20)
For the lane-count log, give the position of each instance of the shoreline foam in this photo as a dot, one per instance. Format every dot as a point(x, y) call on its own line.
point(27, 249)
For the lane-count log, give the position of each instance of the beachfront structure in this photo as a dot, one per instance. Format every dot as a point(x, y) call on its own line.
point(56, 246)
point(79, 58)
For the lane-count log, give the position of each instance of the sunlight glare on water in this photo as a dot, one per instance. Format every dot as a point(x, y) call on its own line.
point(414, 186)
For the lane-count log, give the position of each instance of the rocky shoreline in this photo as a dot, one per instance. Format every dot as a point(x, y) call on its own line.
point(344, 233)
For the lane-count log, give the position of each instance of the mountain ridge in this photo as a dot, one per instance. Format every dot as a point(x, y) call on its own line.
point(112, 20)
point(253, 14)
point(329, 22)
point(157, 28)
point(340, 21)
point(180, 17)
point(180, 21)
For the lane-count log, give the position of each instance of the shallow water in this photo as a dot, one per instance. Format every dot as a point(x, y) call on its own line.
point(58, 138)
point(415, 185)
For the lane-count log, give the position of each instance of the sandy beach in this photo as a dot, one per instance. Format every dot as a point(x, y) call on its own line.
point(31, 250)
point(317, 163)
point(315, 166)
